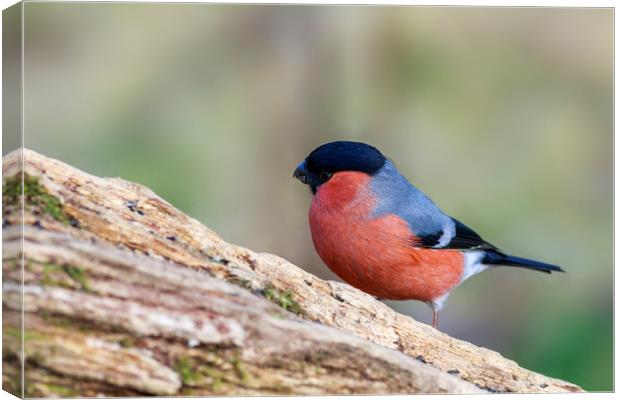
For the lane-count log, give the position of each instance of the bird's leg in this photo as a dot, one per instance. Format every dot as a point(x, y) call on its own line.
point(436, 305)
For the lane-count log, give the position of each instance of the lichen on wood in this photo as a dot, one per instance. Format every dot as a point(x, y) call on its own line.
point(114, 306)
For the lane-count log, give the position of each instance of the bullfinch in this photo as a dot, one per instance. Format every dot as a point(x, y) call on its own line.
point(382, 235)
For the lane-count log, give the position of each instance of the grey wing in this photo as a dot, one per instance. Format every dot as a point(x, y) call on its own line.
point(431, 225)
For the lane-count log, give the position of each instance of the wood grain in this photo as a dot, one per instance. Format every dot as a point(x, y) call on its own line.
point(126, 295)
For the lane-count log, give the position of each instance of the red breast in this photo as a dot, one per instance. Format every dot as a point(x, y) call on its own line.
point(376, 255)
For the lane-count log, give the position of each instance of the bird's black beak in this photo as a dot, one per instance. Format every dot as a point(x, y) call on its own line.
point(306, 177)
point(301, 173)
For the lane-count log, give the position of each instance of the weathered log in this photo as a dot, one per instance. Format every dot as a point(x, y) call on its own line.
point(125, 295)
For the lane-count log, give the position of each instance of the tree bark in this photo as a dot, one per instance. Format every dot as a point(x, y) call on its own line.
point(123, 295)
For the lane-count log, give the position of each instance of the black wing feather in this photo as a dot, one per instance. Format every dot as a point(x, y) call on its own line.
point(464, 239)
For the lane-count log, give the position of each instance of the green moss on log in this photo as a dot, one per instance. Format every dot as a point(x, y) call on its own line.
point(283, 299)
point(35, 196)
point(76, 274)
point(62, 391)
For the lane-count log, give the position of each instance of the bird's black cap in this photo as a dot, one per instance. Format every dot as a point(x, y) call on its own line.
point(345, 156)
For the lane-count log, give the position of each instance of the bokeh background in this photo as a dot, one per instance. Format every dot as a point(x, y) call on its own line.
point(502, 115)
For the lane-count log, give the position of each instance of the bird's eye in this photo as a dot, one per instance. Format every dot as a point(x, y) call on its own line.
point(324, 176)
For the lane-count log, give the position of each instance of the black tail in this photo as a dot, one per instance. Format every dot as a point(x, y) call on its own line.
point(494, 258)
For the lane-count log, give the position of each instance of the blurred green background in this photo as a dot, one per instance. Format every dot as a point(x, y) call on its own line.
point(502, 115)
